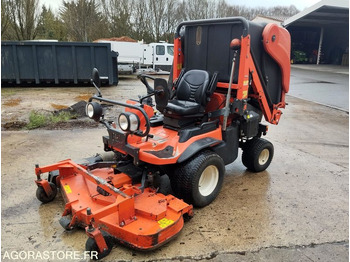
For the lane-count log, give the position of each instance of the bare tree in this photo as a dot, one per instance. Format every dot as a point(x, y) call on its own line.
point(225, 10)
point(119, 16)
point(164, 17)
point(24, 18)
point(5, 19)
point(141, 20)
point(87, 20)
point(82, 19)
point(283, 11)
point(157, 9)
point(171, 20)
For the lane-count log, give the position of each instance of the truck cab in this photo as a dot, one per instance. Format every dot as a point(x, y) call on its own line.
point(159, 55)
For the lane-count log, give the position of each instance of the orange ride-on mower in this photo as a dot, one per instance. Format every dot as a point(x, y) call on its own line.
point(227, 74)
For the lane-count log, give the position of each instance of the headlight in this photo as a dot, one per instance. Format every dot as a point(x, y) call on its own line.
point(128, 122)
point(94, 110)
point(123, 122)
point(134, 122)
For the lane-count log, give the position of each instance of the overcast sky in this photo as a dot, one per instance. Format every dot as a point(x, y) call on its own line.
point(300, 4)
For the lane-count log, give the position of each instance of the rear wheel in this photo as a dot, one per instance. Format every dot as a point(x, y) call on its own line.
point(257, 154)
point(199, 180)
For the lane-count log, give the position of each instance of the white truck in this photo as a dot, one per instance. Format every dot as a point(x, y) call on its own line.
point(138, 55)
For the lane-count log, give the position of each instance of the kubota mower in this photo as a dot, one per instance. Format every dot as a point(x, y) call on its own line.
point(227, 74)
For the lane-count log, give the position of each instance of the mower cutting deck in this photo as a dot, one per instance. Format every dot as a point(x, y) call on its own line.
point(107, 204)
point(227, 75)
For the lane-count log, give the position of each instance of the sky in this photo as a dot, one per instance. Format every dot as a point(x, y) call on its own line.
point(300, 4)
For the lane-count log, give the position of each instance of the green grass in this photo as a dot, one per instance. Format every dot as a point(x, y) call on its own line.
point(36, 120)
point(39, 119)
point(62, 116)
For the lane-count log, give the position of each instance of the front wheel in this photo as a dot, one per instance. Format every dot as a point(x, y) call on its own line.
point(92, 247)
point(43, 197)
point(199, 180)
point(257, 154)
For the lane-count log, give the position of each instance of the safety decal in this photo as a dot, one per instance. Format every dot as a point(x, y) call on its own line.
point(164, 222)
point(67, 189)
point(245, 94)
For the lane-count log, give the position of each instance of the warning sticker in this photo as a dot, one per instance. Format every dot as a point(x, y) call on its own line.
point(163, 223)
point(67, 189)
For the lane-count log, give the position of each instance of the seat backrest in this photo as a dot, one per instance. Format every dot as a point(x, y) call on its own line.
point(193, 87)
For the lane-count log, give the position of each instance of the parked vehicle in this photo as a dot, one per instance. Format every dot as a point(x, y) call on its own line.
point(138, 55)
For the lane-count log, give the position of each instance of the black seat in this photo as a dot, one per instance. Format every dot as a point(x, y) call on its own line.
point(191, 95)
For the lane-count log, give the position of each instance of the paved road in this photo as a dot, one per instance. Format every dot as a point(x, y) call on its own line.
point(327, 85)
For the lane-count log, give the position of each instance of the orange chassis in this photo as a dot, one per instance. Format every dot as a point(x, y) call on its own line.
point(109, 204)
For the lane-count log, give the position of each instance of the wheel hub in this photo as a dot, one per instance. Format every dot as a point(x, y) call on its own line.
point(208, 180)
point(264, 156)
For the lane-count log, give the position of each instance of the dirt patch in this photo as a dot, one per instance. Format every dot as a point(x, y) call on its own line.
point(84, 97)
point(72, 124)
point(19, 102)
point(15, 125)
point(58, 107)
point(78, 109)
point(118, 39)
point(12, 102)
point(63, 118)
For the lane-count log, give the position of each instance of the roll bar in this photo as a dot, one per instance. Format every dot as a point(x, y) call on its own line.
point(148, 125)
point(226, 20)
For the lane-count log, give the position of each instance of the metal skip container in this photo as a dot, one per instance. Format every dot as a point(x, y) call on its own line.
point(59, 63)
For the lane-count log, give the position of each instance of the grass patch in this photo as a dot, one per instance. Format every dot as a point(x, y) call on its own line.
point(39, 119)
point(36, 120)
point(62, 116)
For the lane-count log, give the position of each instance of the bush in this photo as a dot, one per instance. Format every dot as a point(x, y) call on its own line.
point(39, 119)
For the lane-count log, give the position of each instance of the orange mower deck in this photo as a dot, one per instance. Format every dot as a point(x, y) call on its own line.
point(141, 219)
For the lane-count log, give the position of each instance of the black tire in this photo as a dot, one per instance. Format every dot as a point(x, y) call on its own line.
point(65, 222)
point(257, 154)
point(43, 197)
point(164, 186)
point(186, 180)
point(91, 245)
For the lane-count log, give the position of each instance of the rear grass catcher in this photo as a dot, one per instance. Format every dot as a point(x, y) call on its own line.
point(227, 74)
